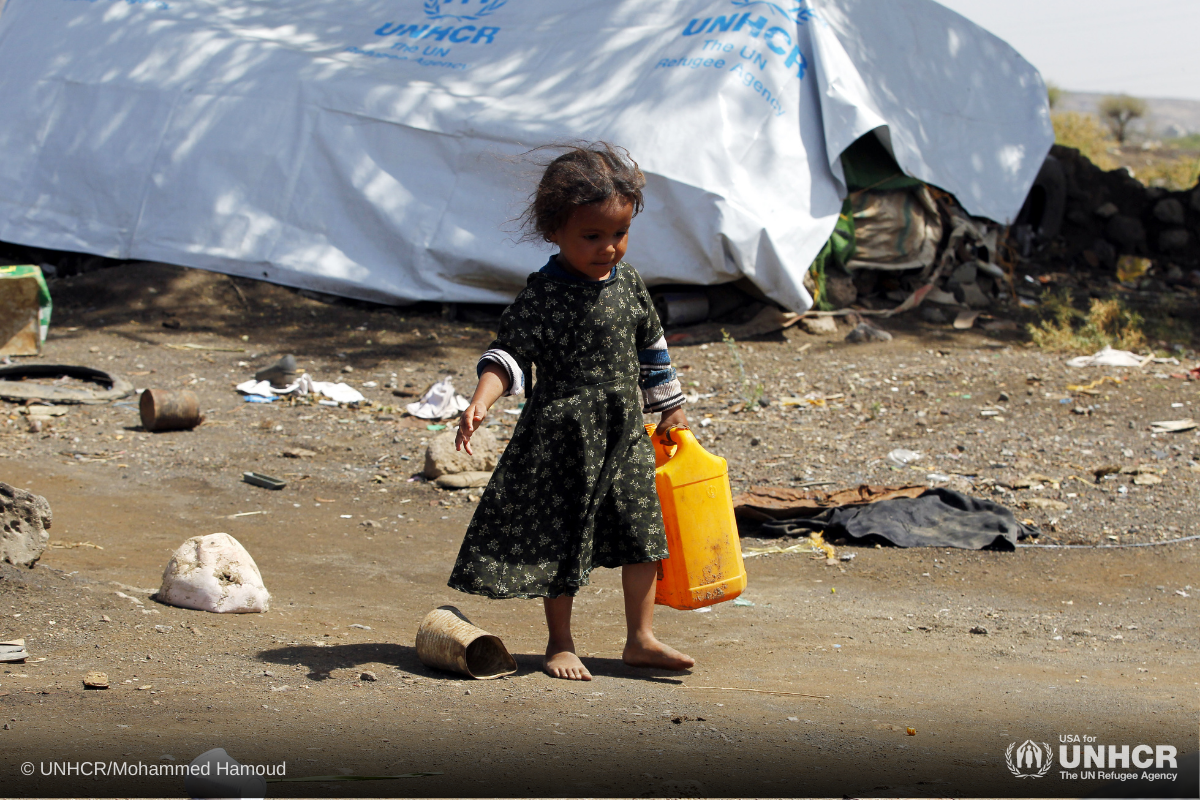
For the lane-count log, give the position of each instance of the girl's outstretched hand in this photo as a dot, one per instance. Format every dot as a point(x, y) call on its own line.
point(468, 423)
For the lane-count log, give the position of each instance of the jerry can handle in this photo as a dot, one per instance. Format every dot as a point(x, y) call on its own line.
point(667, 436)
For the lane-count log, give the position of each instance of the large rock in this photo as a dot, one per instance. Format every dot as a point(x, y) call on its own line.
point(442, 459)
point(1173, 240)
point(214, 573)
point(1125, 232)
point(1105, 252)
point(24, 519)
point(1169, 211)
point(840, 290)
point(819, 326)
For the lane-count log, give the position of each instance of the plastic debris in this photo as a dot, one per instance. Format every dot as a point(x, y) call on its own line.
point(1108, 357)
point(1173, 426)
point(901, 457)
point(439, 402)
point(303, 386)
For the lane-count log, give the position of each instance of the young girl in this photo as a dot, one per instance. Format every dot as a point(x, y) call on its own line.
point(574, 489)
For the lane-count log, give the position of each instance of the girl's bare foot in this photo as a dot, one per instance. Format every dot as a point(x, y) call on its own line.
point(650, 652)
point(562, 663)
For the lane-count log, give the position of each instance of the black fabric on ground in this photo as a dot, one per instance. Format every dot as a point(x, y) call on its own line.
point(938, 518)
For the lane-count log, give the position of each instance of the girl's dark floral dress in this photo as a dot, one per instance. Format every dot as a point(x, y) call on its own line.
point(574, 489)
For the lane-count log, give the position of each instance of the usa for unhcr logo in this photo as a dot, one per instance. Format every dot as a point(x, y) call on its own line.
point(462, 10)
point(1030, 760)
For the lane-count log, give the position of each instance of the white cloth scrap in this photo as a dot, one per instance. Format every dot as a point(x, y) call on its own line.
point(440, 402)
point(304, 385)
point(1110, 358)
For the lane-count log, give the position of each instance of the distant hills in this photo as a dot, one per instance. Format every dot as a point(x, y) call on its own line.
point(1166, 118)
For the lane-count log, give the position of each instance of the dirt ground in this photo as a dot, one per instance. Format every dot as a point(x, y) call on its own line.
point(817, 684)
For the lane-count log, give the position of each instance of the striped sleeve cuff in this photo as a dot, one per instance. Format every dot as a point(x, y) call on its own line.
point(660, 386)
point(663, 398)
point(516, 377)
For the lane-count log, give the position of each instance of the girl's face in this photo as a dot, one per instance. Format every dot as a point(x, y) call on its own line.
point(594, 238)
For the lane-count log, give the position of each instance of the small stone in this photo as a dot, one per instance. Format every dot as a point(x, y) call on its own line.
point(105, 618)
point(754, 442)
point(298, 452)
point(347, 369)
point(95, 680)
point(1169, 211)
point(864, 332)
point(1003, 397)
point(464, 480)
point(1173, 240)
point(765, 402)
point(368, 675)
point(1107, 211)
point(979, 630)
point(818, 326)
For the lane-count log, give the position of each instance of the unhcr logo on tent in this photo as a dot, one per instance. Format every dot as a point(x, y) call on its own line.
point(467, 10)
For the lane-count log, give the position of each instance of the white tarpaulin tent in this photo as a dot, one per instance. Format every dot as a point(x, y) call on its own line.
point(364, 147)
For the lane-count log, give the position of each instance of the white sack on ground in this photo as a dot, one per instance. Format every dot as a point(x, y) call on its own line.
point(357, 147)
point(214, 573)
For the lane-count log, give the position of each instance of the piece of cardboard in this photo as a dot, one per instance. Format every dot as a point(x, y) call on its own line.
point(24, 310)
point(19, 317)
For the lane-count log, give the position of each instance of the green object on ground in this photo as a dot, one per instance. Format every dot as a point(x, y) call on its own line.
point(838, 250)
point(868, 165)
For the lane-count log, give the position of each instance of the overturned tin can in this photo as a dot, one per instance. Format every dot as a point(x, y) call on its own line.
point(169, 410)
point(447, 640)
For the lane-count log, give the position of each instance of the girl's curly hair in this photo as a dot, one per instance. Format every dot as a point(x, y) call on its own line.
point(594, 172)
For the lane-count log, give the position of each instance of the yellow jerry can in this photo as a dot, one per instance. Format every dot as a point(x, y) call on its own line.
point(705, 563)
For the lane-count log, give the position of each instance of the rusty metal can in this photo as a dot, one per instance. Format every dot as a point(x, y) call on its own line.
point(169, 410)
